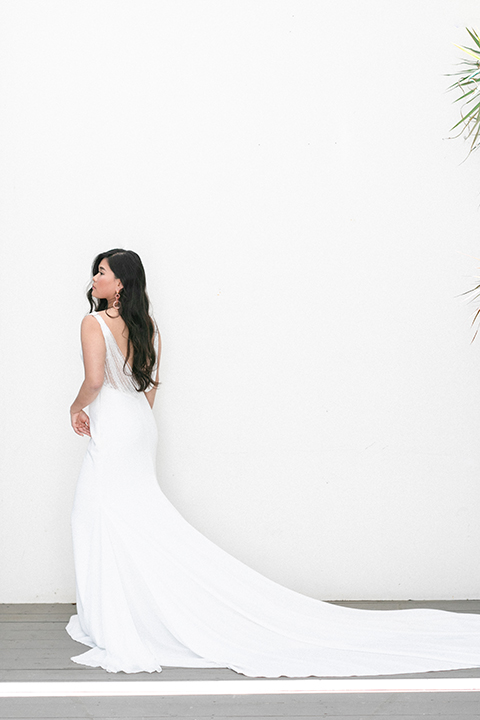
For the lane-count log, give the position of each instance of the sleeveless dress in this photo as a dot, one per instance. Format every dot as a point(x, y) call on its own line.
point(153, 591)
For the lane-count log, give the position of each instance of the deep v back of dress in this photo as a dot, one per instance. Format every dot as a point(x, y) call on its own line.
point(118, 328)
point(153, 591)
point(118, 374)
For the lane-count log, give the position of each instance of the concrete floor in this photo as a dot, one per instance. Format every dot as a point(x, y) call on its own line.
point(34, 647)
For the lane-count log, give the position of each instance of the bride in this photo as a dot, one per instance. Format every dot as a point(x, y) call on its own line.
point(151, 590)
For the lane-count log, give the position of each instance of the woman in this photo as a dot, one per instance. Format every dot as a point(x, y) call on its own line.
point(151, 590)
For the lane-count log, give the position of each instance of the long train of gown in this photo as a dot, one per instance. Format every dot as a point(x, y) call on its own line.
point(153, 591)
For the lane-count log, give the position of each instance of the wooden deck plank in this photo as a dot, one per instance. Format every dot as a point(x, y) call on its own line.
point(408, 707)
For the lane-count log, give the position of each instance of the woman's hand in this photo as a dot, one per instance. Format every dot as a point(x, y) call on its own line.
point(80, 422)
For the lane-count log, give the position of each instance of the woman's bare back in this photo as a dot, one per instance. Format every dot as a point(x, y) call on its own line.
point(119, 330)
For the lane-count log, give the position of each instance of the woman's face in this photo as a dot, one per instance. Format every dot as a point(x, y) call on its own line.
point(104, 283)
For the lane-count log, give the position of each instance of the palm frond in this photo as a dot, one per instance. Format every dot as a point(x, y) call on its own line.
point(474, 298)
point(474, 36)
point(468, 84)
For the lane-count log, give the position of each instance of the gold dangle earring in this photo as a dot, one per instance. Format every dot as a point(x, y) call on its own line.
point(116, 302)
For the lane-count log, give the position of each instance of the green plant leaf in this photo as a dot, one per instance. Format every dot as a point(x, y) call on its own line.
point(477, 106)
point(474, 36)
point(474, 141)
point(470, 52)
point(462, 97)
point(467, 84)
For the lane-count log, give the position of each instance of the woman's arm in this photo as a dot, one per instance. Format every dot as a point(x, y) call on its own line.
point(93, 348)
point(151, 393)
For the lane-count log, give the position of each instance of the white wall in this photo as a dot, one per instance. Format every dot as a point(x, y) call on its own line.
point(282, 167)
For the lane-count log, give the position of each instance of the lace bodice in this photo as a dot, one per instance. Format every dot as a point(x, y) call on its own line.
point(116, 376)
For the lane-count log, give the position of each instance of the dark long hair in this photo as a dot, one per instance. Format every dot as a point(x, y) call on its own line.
point(134, 309)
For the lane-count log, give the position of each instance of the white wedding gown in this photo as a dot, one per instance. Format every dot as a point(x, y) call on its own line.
point(152, 591)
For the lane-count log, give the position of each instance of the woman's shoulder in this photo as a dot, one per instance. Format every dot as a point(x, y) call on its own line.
point(95, 318)
point(90, 324)
point(90, 319)
point(91, 332)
